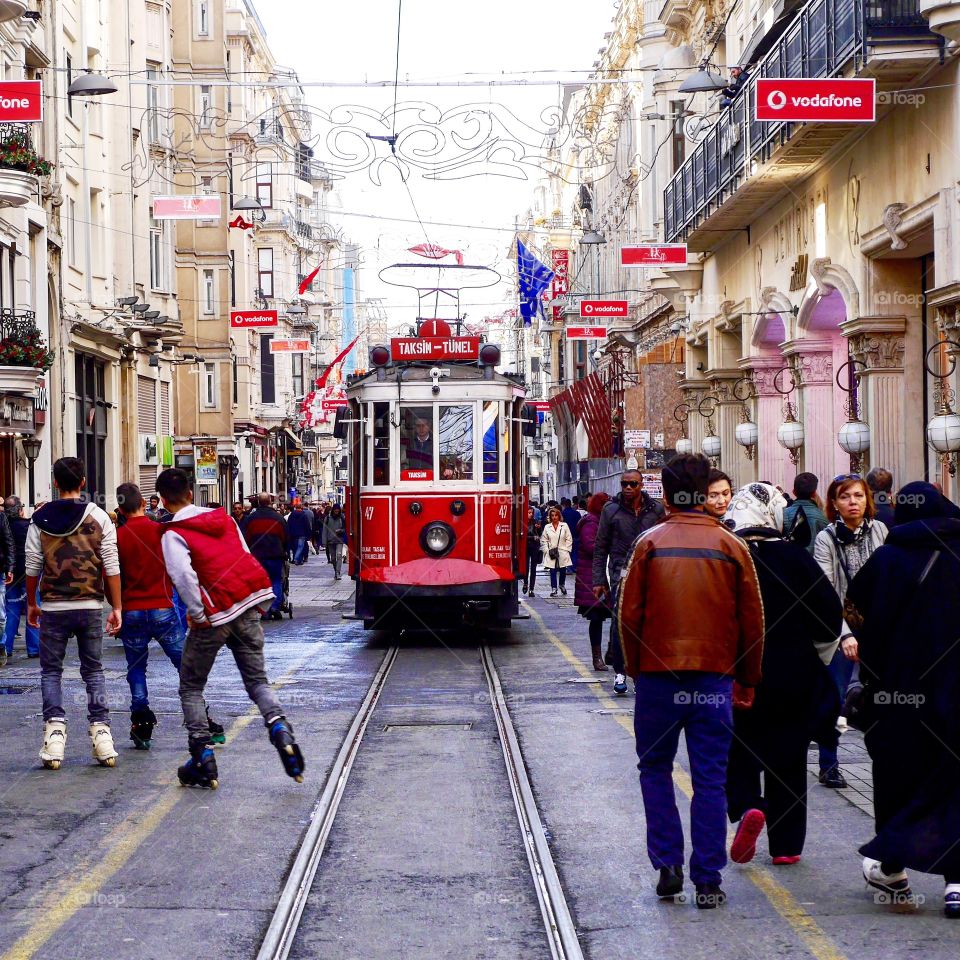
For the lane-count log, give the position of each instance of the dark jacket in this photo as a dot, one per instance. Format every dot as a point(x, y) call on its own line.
point(910, 664)
point(266, 534)
point(300, 524)
point(8, 549)
point(534, 530)
point(571, 517)
point(19, 527)
point(619, 528)
point(816, 518)
point(884, 507)
point(583, 594)
point(713, 624)
point(334, 528)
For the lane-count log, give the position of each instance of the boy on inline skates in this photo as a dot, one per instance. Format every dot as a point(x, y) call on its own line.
point(73, 543)
point(222, 586)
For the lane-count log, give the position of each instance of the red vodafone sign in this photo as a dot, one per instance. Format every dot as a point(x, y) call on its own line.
point(541, 406)
point(435, 348)
point(254, 318)
point(586, 333)
point(819, 101)
point(200, 207)
point(653, 255)
point(334, 403)
point(603, 308)
point(21, 101)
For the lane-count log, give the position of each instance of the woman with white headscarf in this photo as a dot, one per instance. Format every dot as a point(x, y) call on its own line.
point(795, 699)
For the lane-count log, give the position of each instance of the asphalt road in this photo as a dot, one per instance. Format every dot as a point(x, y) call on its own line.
point(425, 859)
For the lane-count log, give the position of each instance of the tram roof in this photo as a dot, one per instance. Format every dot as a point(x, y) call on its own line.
point(419, 372)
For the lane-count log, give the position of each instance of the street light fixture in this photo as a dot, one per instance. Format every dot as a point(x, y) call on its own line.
point(31, 450)
point(703, 81)
point(296, 310)
point(91, 85)
point(140, 307)
point(127, 301)
point(592, 238)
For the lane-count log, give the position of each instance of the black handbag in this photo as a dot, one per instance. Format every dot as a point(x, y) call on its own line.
point(554, 553)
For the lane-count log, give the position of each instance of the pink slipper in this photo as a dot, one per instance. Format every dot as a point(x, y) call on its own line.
point(744, 845)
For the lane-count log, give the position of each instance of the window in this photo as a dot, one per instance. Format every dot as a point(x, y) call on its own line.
point(265, 184)
point(153, 103)
point(209, 189)
point(233, 278)
point(229, 87)
point(268, 383)
point(491, 441)
point(90, 390)
point(678, 140)
point(7, 259)
point(206, 107)
point(579, 359)
point(298, 379)
point(208, 295)
point(208, 387)
point(380, 413)
point(68, 62)
point(158, 256)
point(265, 271)
point(416, 443)
point(456, 442)
point(154, 26)
point(236, 381)
point(203, 18)
point(97, 257)
point(72, 232)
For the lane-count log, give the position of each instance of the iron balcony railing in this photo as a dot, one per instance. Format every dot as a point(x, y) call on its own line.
point(825, 38)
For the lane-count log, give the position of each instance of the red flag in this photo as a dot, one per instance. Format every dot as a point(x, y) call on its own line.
point(308, 279)
point(322, 379)
point(434, 252)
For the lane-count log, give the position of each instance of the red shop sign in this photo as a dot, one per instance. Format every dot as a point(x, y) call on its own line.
point(334, 404)
point(253, 318)
point(603, 308)
point(201, 207)
point(820, 101)
point(653, 255)
point(586, 333)
point(21, 101)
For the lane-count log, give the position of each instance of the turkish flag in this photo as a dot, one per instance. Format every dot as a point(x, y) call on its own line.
point(434, 252)
point(308, 279)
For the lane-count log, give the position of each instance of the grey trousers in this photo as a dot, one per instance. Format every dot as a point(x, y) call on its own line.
point(56, 628)
point(244, 638)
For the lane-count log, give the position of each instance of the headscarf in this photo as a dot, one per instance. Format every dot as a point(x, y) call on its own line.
point(921, 501)
point(756, 505)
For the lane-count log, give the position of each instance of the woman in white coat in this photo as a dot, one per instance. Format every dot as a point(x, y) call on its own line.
point(557, 543)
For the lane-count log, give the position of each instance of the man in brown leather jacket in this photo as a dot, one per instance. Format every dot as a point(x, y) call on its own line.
point(691, 625)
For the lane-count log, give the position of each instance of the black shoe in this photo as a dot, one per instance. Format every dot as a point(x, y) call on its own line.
point(832, 777)
point(671, 882)
point(709, 896)
point(142, 722)
point(201, 769)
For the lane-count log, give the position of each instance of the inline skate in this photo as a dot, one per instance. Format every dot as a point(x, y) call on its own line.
point(201, 769)
point(281, 736)
point(54, 743)
point(101, 740)
point(217, 735)
point(142, 722)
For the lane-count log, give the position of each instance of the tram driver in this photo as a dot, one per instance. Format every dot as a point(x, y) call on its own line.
point(417, 444)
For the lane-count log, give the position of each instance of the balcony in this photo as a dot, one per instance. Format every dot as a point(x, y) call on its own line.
point(742, 166)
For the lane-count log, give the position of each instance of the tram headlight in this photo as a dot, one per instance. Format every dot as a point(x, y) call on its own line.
point(437, 539)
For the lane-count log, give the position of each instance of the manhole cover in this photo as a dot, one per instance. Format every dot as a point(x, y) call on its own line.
point(12, 691)
point(426, 725)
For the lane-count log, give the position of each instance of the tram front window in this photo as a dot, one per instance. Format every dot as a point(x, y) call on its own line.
point(416, 443)
point(491, 441)
point(381, 443)
point(456, 442)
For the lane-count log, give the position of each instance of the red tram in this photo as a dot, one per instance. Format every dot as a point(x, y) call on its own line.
point(436, 501)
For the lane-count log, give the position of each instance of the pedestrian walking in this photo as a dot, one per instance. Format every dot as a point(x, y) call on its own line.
point(796, 699)
point(266, 535)
point(880, 482)
point(148, 611)
point(71, 550)
point(238, 513)
point(335, 536)
point(222, 585)
point(316, 529)
point(534, 552)
point(15, 602)
point(622, 520)
point(689, 660)
point(906, 595)
point(556, 542)
point(571, 517)
point(593, 608)
point(719, 495)
point(8, 557)
point(841, 549)
point(807, 503)
point(300, 530)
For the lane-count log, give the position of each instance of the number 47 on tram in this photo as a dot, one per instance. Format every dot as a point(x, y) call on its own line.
point(436, 500)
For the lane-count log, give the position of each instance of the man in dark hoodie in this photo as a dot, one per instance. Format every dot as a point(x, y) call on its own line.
point(300, 528)
point(222, 585)
point(16, 594)
point(73, 543)
point(622, 520)
point(266, 535)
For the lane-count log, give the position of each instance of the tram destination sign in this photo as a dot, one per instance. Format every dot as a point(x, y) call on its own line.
point(254, 318)
point(586, 333)
point(793, 100)
point(21, 101)
point(653, 255)
point(435, 348)
point(603, 308)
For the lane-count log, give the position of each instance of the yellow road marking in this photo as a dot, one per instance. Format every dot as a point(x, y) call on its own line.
point(121, 844)
point(784, 902)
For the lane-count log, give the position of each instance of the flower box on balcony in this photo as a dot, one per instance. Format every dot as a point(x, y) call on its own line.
point(19, 379)
point(16, 187)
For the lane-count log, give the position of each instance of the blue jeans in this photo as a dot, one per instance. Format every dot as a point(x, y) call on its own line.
point(139, 628)
point(301, 550)
point(841, 670)
point(16, 609)
point(274, 568)
point(701, 705)
point(556, 576)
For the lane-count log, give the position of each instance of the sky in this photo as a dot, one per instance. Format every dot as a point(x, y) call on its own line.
point(440, 40)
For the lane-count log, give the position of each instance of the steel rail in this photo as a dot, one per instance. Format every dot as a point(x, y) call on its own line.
point(286, 918)
point(561, 931)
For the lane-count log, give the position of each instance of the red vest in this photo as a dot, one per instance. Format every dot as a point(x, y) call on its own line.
point(231, 580)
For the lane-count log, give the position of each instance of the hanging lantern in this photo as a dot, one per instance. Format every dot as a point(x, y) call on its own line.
point(747, 434)
point(711, 446)
point(684, 446)
point(854, 437)
point(943, 433)
point(790, 435)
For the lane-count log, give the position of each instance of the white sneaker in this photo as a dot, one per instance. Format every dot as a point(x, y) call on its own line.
point(101, 739)
point(897, 884)
point(54, 743)
point(842, 725)
point(620, 685)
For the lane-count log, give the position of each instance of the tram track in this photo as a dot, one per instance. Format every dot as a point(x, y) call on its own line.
point(555, 913)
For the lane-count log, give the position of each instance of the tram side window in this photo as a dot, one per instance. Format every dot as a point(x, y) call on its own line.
point(456, 442)
point(416, 443)
point(381, 444)
point(491, 441)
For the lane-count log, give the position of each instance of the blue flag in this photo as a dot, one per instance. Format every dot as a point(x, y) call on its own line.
point(534, 278)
